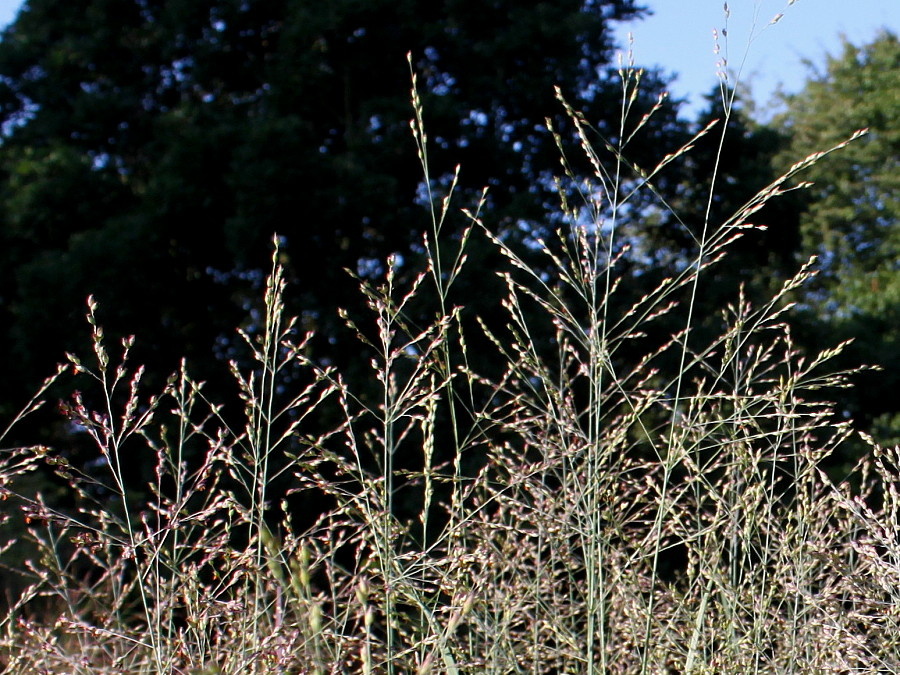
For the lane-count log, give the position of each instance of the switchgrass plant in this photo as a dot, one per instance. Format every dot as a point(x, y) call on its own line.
point(603, 502)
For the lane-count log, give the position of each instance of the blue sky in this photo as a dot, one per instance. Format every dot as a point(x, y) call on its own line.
point(679, 37)
point(8, 9)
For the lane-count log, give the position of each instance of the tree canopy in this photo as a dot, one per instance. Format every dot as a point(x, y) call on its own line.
point(151, 149)
point(849, 216)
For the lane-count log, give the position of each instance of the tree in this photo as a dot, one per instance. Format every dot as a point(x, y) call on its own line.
point(152, 148)
point(850, 216)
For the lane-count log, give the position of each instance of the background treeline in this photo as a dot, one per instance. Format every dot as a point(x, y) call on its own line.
point(150, 150)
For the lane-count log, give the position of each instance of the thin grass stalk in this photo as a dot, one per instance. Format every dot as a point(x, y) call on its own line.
point(434, 260)
point(599, 363)
point(110, 437)
point(386, 547)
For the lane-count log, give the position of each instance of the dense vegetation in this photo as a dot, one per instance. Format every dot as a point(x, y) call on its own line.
point(576, 422)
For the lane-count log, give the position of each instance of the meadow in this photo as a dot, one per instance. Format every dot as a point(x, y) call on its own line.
point(602, 502)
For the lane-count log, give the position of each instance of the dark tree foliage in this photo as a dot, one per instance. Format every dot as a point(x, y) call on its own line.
point(849, 219)
point(151, 149)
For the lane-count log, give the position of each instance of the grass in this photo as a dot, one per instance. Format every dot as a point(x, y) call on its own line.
point(583, 510)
